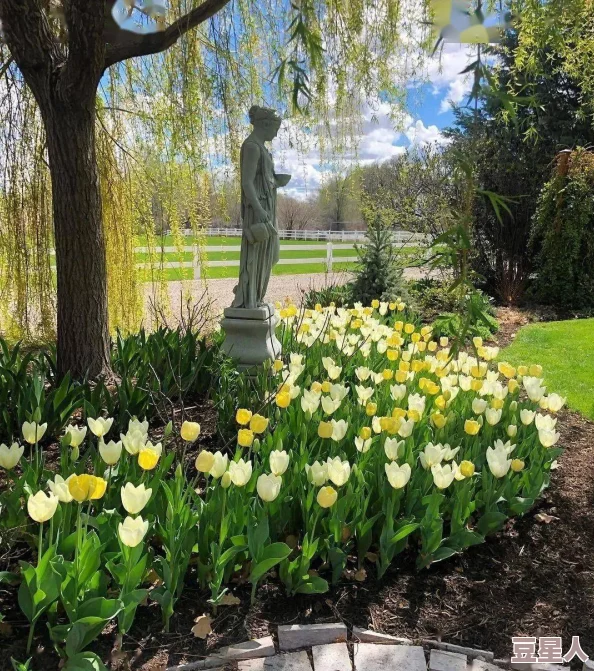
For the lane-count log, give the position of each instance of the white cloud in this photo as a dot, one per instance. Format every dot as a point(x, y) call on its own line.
point(457, 91)
point(419, 134)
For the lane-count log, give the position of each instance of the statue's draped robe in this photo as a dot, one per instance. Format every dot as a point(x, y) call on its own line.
point(257, 259)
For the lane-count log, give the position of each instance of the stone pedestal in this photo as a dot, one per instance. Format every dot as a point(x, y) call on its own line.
point(250, 336)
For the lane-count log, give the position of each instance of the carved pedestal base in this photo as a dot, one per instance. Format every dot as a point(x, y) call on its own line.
point(250, 336)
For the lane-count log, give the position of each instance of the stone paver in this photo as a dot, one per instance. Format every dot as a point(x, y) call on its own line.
point(588, 665)
point(369, 636)
point(471, 653)
point(371, 657)
point(442, 660)
point(290, 661)
point(259, 647)
point(331, 657)
point(294, 636)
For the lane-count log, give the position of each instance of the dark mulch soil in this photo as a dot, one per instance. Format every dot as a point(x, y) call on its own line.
point(535, 578)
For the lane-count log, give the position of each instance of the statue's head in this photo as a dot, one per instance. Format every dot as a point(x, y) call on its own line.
point(265, 121)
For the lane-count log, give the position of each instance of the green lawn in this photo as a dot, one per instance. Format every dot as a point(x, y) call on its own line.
point(174, 274)
point(188, 240)
point(565, 350)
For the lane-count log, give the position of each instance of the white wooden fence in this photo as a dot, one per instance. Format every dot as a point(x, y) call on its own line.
point(399, 237)
point(195, 264)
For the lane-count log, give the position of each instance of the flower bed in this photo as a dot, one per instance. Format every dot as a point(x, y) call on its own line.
point(371, 438)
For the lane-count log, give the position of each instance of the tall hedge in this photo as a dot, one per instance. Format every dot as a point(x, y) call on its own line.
point(563, 233)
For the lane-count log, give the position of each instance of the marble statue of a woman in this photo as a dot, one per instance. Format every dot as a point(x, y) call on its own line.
point(259, 182)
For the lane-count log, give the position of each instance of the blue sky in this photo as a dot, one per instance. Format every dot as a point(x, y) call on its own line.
point(428, 113)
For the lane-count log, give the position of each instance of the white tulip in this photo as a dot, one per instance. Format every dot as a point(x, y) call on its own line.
point(527, 416)
point(432, 455)
point(397, 392)
point(338, 471)
point(100, 426)
point(317, 473)
point(279, 462)
point(398, 476)
point(339, 429)
point(268, 487)
point(219, 465)
point(132, 531)
point(497, 458)
point(406, 428)
point(548, 438)
point(134, 499)
point(443, 476)
point(240, 472)
point(394, 448)
point(362, 445)
point(59, 488)
point(33, 432)
point(10, 456)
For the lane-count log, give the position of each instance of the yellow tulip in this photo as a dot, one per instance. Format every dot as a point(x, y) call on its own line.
point(325, 430)
point(190, 431)
point(205, 461)
point(471, 427)
point(535, 370)
point(149, 455)
point(245, 437)
point(387, 374)
point(283, 399)
point(517, 465)
point(371, 409)
point(438, 419)
point(467, 468)
point(513, 385)
point(316, 387)
point(86, 487)
point(327, 497)
point(365, 433)
point(277, 365)
point(401, 376)
point(243, 416)
point(258, 424)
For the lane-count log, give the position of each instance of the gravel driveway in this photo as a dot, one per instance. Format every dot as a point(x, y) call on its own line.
point(220, 292)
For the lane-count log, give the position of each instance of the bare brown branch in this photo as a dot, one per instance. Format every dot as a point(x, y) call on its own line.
point(129, 44)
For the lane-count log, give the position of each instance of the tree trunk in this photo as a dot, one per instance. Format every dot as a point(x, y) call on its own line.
point(83, 336)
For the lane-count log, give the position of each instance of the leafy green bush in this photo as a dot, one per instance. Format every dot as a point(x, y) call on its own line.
point(563, 234)
point(154, 371)
point(338, 294)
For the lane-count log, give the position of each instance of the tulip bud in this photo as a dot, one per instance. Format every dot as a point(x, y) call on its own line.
point(512, 430)
point(517, 465)
point(256, 445)
point(75, 453)
point(513, 406)
point(226, 480)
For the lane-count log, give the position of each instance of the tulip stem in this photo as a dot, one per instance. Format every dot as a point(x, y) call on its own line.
point(39, 555)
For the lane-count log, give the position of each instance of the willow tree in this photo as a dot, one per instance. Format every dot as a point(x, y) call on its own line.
point(321, 54)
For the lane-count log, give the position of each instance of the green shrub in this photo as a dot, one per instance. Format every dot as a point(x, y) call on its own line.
point(378, 274)
point(563, 234)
